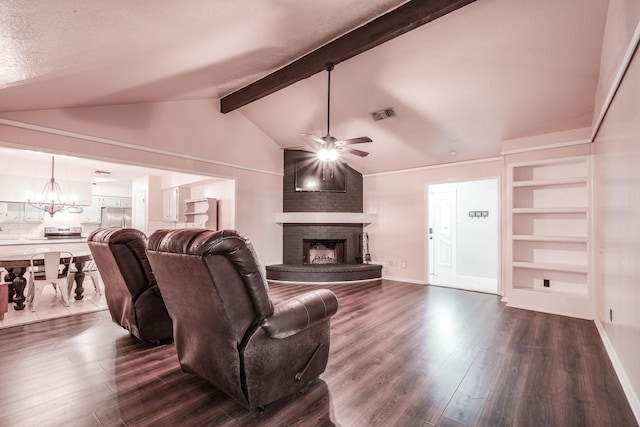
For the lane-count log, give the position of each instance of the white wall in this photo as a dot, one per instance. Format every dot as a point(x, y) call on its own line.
point(477, 237)
point(225, 193)
point(622, 21)
point(399, 233)
point(112, 189)
point(185, 136)
point(617, 215)
point(194, 129)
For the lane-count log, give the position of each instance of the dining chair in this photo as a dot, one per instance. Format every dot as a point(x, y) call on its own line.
point(55, 273)
point(36, 250)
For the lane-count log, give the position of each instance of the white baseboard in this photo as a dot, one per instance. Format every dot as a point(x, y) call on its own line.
point(404, 279)
point(467, 283)
point(620, 372)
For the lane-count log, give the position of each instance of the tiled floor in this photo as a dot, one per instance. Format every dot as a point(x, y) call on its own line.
point(51, 306)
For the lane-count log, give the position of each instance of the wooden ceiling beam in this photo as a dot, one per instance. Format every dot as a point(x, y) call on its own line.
point(401, 20)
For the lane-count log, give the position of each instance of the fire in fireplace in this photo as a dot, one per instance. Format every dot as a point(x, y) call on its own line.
point(323, 251)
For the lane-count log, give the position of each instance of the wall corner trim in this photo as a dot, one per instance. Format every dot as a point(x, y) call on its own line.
point(617, 81)
point(546, 147)
point(620, 371)
point(438, 166)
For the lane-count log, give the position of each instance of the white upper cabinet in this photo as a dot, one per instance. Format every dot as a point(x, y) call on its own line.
point(173, 206)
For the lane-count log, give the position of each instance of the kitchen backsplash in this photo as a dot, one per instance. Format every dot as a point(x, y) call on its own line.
point(20, 231)
point(25, 230)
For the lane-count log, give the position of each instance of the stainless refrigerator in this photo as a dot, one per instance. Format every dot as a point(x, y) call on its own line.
point(116, 217)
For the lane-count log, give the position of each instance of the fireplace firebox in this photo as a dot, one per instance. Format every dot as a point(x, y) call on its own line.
point(323, 251)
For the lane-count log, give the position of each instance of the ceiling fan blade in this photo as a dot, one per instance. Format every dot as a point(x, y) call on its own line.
point(315, 138)
point(351, 141)
point(354, 151)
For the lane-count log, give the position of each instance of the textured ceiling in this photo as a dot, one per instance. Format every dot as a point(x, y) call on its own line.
point(493, 70)
point(71, 53)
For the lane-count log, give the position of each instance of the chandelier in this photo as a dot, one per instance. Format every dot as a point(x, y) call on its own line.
point(51, 199)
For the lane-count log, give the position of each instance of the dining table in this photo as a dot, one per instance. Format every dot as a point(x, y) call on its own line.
point(16, 266)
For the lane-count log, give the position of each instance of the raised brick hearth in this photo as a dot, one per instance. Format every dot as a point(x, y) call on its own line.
point(324, 272)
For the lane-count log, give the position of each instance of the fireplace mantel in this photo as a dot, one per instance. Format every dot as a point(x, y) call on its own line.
point(324, 218)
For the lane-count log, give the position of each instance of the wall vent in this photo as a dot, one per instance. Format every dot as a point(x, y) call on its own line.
point(385, 113)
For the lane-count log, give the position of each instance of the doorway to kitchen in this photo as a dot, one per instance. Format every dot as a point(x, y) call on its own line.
point(463, 235)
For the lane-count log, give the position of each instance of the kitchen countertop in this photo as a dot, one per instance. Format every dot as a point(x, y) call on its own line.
point(38, 241)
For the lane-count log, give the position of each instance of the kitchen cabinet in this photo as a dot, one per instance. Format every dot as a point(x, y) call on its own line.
point(550, 204)
point(202, 213)
point(173, 203)
point(92, 214)
point(114, 202)
point(31, 214)
point(14, 212)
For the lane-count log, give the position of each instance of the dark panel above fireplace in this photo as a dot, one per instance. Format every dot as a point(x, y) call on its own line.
point(350, 200)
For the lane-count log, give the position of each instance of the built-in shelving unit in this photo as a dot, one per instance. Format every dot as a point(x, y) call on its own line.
point(202, 213)
point(549, 228)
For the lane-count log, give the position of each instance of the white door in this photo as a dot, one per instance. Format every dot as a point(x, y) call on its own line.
point(462, 245)
point(442, 235)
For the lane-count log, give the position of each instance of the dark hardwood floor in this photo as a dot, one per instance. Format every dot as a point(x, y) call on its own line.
point(401, 355)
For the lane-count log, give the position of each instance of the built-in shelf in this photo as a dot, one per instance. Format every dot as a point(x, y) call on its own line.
point(324, 218)
point(550, 236)
point(202, 213)
point(550, 266)
point(552, 239)
point(552, 210)
point(548, 291)
point(548, 182)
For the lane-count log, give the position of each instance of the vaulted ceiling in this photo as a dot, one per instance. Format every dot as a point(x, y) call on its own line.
point(489, 71)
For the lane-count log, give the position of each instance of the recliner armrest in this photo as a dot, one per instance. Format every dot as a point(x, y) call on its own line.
point(301, 312)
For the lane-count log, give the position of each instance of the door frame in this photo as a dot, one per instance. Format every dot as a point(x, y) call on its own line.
point(500, 229)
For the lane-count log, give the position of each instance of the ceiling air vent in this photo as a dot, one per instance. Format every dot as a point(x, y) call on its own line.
point(101, 172)
point(383, 114)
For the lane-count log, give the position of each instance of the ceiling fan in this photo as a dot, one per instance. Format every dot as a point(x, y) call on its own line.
point(329, 147)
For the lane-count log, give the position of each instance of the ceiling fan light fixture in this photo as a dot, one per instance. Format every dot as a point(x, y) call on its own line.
point(328, 154)
point(328, 148)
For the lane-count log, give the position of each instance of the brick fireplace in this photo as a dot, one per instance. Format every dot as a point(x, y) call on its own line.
point(350, 200)
point(342, 262)
point(294, 236)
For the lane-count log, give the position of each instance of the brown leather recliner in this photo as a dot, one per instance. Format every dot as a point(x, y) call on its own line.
point(226, 329)
point(130, 288)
